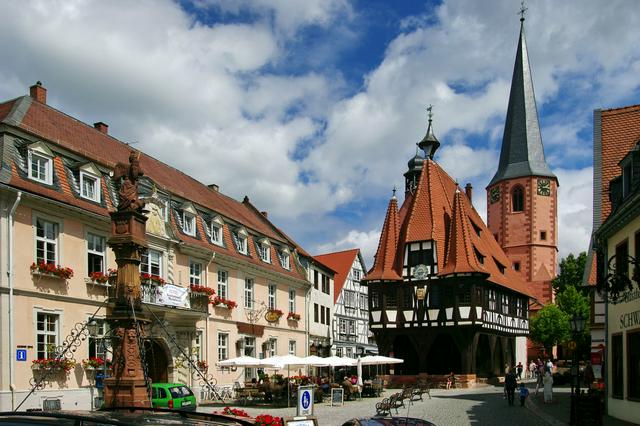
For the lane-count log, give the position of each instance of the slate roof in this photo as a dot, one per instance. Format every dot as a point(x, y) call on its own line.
point(441, 212)
point(63, 133)
point(522, 152)
point(341, 262)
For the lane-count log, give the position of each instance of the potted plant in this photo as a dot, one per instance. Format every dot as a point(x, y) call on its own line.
point(292, 316)
point(50, 269)
point(61, 364)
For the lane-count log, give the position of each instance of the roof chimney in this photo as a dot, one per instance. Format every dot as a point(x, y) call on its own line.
point(468, 189)
point(38, 92)
point(265, 214)
point(214, 187)
point(102, 127)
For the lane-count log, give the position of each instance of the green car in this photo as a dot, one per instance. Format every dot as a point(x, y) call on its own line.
point(174, 396)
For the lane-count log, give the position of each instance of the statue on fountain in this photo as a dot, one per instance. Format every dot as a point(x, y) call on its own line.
point(126, 177)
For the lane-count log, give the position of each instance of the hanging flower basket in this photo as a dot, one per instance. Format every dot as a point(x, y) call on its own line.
point(51, 270)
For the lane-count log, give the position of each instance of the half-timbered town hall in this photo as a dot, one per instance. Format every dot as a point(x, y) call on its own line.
point(443, 295)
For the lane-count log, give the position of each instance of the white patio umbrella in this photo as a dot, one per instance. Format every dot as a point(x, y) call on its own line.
point(315, 361)
point(243, 361)
point(379, 360)
point(336, 361)
point(286, 361)
point(359, 370)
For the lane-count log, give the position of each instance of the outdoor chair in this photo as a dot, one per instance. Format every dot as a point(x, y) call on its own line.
point(396, 401)
point(407, 394)
point(383, 408)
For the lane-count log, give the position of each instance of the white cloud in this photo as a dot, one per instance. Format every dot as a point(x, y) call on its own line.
point(366, 241)
point(575, 201)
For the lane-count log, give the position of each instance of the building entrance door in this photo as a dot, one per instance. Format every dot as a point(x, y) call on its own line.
point(157, 362)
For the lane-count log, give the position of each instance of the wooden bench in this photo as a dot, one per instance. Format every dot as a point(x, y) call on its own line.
point(383, 408)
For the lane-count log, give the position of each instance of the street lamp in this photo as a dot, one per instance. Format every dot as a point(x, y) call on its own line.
point(577, 323)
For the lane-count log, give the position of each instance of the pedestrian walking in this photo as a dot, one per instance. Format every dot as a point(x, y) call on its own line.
point(549, 366)
point(539, 377)
point(548, 388)
point(524, 393)
point(533, 368)
point(510, 384)
point(519, 369)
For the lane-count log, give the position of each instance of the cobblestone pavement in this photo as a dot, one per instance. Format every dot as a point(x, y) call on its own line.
point(479, 406)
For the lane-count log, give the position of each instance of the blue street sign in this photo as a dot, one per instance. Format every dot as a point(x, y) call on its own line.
point(305, 401)
point(21, 354)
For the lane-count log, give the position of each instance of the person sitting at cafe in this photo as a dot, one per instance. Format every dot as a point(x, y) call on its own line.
point(265, 387)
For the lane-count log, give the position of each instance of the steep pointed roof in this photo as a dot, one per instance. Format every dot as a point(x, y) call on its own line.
point(341, 262)
point(383, 266)
point(460, 256)
point(522, 152)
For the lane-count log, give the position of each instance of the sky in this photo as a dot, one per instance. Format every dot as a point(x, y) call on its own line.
point(313, 108)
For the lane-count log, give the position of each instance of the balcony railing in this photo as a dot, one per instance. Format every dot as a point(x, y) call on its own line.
point(171, 296)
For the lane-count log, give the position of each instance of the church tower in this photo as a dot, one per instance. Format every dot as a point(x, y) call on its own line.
point(522, 207)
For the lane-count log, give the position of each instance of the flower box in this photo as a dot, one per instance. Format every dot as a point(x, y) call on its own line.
point(292, 316)
point(51, 270)
point(220, 302)
point(151, 279)
point(200, 290)
point(53, 364)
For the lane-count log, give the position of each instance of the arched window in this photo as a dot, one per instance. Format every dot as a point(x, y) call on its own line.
point(517, 199)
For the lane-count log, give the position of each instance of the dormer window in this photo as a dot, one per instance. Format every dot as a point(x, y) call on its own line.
point(285, 258)
point(40, 163)
point(188, 219)
point(216, 230)
point(264, 250)
point(188, 223)
point(90, 182)
point(240, 240)
point(479, 256)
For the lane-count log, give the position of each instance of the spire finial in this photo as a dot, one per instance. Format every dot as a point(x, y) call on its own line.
point(393, 197)
point(522, 11)
point(430, 112)
point(429, 144)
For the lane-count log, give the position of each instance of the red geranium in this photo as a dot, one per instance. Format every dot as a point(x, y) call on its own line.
point(51, 269)
point(268, 420)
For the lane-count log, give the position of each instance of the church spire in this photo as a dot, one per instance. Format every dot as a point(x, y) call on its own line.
point(383, 266)
point(429, 144)
point(522, 153)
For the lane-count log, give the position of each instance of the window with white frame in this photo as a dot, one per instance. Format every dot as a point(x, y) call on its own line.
point(271, 300)
point(292, 300)
point(195, 272)
point(352, 327)
point(292, 347)
point(349, 352)
point(89, 186)
point(216, 233)
point(325, 284)
point(46, 241)
point(284, 256)
point(248, 293)
point(249, 350)
point(151, 263)
point(342, 326)
point(47, 330)
point(96, 253)
point(223, 280)
point(40, 167)
point(363, 301)
point(240, 240)
point(264, 250)
point(188, 223)
point(97, 344)
point(198, 341)
point(272, 346)
point(339, 351)
point(356, 274)
point(223, 346)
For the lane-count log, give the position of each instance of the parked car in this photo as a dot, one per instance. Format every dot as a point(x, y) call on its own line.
point(175, 396)
point(387, 421)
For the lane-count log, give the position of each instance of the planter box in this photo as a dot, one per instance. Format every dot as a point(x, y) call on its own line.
point(96, 283)
point(37, 273)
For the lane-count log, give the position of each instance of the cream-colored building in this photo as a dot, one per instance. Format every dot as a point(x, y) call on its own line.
point(55, 196)
point(618, 240)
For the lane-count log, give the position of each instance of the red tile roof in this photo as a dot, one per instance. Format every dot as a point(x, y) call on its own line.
point(460, 256)
point(383, 264)
point(341, 262)
point(59, 129)
point(439, 211)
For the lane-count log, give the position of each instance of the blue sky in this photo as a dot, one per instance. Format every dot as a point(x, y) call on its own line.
point(313, 108)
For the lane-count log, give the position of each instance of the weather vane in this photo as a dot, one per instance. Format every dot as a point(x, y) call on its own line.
point(394, 191)
point(430, 111)
point(522, 11)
